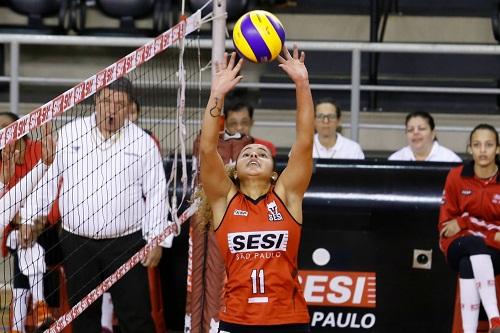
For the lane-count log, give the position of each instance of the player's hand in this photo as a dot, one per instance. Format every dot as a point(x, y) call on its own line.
point(29, 232)
point(497, 237)
point(226, 75)
point(153, 258)
point(9, 157)
point(294, 65)
point(450, 229)
point(49, 141)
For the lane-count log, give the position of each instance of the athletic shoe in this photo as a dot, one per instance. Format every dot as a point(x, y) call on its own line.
point(43, 316)
point(495, 325)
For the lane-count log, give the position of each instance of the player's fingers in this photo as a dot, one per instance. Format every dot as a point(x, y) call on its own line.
point(8, 150)
point(302, 57)
point(295, 51)
point(15, 156)
point(286, 53)
point(238, 66)
point(281, 60)
point(223, 63)
point(238, 79)
point(5, 156)
point(232, 60)
point(45, 129)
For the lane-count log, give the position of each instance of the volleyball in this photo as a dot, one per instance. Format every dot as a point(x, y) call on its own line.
point(258, 36)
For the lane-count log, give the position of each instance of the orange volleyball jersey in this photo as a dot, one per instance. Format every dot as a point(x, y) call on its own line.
point(259, 241)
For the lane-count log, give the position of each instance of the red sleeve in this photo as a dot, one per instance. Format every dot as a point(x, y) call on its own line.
point(450, 208)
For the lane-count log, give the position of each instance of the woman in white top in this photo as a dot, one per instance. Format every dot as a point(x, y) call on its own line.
point(422, 141)
point(328, 143)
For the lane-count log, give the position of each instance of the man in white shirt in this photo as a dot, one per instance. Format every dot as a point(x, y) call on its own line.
point(328, 143)
point(113, 195)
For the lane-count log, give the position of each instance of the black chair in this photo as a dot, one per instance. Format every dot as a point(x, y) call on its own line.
point(36, 11)
point(126, 12)
point(234, 8)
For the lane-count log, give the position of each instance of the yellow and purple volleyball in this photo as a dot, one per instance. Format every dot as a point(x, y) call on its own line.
point(258, 36)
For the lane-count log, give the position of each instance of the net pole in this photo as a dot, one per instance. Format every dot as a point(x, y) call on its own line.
point(218, 32)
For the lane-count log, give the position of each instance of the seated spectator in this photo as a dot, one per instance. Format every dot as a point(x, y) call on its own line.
point(422, 141)
point(328, 142)
point(468, 228)
point(238, 118)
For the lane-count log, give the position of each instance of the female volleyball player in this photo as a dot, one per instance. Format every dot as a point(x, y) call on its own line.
point(257, 216)
point(469, 225)
point(18, 160)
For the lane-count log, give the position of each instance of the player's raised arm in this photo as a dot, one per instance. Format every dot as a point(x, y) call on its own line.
point(215, 182)
point(296, 176)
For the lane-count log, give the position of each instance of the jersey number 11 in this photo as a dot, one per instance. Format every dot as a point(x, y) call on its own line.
point(258, 281)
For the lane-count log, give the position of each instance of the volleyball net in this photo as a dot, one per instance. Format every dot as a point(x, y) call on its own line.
point(103, 159)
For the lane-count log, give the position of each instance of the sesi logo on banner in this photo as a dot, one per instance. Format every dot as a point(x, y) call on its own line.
point(344, 289)
point(330, 294)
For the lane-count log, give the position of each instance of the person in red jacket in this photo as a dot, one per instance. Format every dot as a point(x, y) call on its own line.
point(469, 227)
point(257, 217)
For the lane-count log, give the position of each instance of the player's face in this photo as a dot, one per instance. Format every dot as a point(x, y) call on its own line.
point(112, 108)
point(326, 122)
point(254, 160)
point(238, 122)
point(419, 134)
point(484, 148)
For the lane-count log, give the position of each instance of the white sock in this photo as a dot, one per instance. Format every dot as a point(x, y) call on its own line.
point(36, 286)
point(107, 312)
point(470, 303)
point(485, 282)
point(20, 308)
